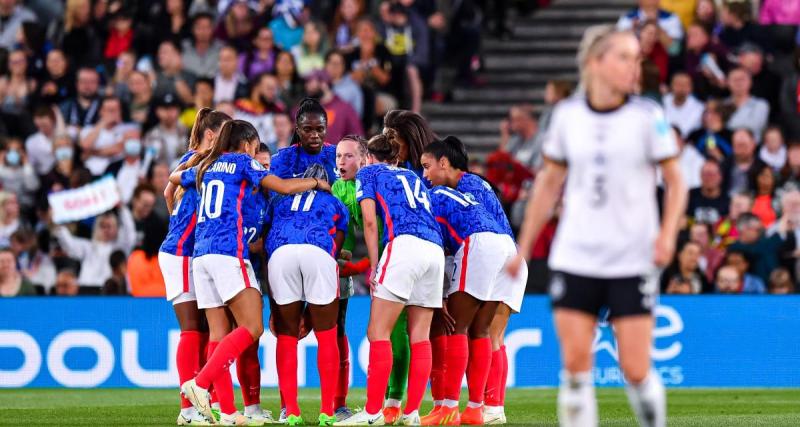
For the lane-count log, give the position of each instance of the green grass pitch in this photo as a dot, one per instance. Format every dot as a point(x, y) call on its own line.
point(530, 407)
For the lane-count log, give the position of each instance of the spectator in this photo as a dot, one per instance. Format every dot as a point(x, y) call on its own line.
point(203, 98)
point(120, 37)
point(729, 280)
point(12, 282)
point(124, 67)
point(371, 67)
point(518, 136)
point(706, 15)
point(66, 283)
point(708, 204)
point(750, 112)
point(726, 231)
point(16, 88)
point(713, 140)
point(290, 85)
point(39, 146)
point(173, 24)
point(10, 220)
point(343, 85)
point(310, 53)
point(172, 78)
point(691, 161)
point(681, 108)
point(57, 84)
point(287, 23)
point(12, 14)
point(201, 54)
point(83, 110)
point(766, 84)
point(284, 129)
point(342, 119)
point(773, 149)
point(780, 12)
point(652, 49)
point(710, 257)
point(345, 22)
point(684, 275)
point(261, 106)
point(738, 27)
point(229, 83)
point(739, 167)
point(158, 177)
point(82, 42)
point(683, 9)
point(148, 225)
point(129, 170)
point(764, 251)
point(66, 166)
point(780, 282)
point(762, 184)
point(239, 26)
point(790, 102)
point(747, 283)
point(260, 59)
point(790, 173)
point(143, 272)
point(104, 142)
point(117, 284)
point(107, 236)
point(706, 61)
point(166, 141)
point(406, 38)
point(141, 94)
point(34, 263)
point(17, 175)
point(669, 25)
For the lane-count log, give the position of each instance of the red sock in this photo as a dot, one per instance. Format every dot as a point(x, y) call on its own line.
point(219, 363)
point(187, 359)
point(210, 347)
point(439, 350)
point(503, 375)
point(480, 358)
point(340, 399)
point(328, 365)
point(286, 359)
point(419, 370)
point(457, 356)
point(221, 388)
point(380, 366)
point(203, 349)
point(248, 369)
point(492, 395)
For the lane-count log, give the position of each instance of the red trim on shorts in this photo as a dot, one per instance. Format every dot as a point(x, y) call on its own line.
point(389, 223)
point(386, 264)
point(186, 233)
point(185, 274)
point(450, 229)
point(332, 232)
point(464, 262)
point(239, 244)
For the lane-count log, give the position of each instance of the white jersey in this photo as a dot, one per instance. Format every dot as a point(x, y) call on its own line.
point(610, 217)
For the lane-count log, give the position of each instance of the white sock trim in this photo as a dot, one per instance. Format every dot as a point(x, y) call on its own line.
point(450, 403)
point(472, 404)
point(392, 403)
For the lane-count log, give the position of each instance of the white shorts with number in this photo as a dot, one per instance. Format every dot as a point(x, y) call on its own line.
point(303, 273)
point(219, 278)
point(479, 270)
point(411, 271)
point(177, 272)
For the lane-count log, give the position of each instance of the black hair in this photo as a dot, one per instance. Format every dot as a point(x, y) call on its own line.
point(306, 107)
point(202, 15)
point(116, 259)
point(340, 53)
point(201, 80)
point(451, 148)
point(316, 171)
point(752, 177)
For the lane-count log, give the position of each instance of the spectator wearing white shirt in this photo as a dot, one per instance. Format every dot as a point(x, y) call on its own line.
point(130, 170)
point(167, 140)
point(773, 149)
point(104, 142)
point(229, 83)
point(12, 15)
point(670, 27)
point(690, 161)
point(751, 112)
point(681, 108)
point(39, 146)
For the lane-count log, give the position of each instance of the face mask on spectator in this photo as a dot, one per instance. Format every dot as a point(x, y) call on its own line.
point(63, 153)
point(133, 147)
point(13, 158)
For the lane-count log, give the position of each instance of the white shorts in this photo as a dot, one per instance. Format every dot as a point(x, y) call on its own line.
point(219, 278)
point(177, 272)
point(411, 271)
point(303, 273)
point(479, 270)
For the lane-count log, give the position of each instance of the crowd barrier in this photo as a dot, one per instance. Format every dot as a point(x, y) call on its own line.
point(700, 341)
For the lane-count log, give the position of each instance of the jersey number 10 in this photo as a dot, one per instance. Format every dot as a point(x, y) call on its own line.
point(211, 200)
point(418, 195)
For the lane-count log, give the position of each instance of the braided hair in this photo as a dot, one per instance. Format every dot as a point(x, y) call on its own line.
point(308, 106)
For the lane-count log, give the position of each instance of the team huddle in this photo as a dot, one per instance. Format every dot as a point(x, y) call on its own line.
point(437, 241)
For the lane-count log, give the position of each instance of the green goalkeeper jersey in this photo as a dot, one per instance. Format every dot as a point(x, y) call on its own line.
point(346, 192)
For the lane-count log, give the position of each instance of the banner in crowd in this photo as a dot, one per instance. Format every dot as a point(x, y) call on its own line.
point(85, 202)
point(700, 341)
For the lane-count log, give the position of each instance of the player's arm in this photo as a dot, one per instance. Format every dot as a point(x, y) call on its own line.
point(370, 219)
point(338, 239)
point(294, 185)
point(169, 195)
point(546, 191)
point(675, 198)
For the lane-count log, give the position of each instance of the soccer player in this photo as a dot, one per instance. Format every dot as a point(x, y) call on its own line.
point(409, 275)
point(303, 242)
point(175, 257)
point(308, 144)
point(445, 162)
point(480, 239)
point(606, 144)
point(223, 275)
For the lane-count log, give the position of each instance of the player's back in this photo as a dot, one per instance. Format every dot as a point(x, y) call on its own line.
point(482, 192)
point(179, 240)
point(460, 216)
point(309, 218)
point(402, 201)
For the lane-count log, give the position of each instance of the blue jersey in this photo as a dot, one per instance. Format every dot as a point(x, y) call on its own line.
point(482, 192)
point(221, 211)
point(292, 162)
point(311, 218)
point(180, 237)
point(460, 216)
point(402, 202)
point(254, 211)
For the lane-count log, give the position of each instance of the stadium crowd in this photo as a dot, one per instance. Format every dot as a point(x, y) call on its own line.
point(91, 88)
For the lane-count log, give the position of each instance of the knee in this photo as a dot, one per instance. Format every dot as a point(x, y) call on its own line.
point(255, 330)
point(635, 373)
point(577, 359)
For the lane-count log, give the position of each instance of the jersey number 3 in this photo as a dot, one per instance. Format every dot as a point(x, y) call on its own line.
point(418, 195)
point(211, 200)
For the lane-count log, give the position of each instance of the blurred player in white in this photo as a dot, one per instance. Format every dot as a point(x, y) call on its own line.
point(606, 144)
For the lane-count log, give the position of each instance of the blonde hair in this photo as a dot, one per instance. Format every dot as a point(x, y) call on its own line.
point(596, 41)
point(70, 12)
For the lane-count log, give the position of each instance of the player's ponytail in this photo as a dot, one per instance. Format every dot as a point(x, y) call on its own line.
point(384, 147)
point(412, 130)
point(307, 106)
point(206, 119)
point(452, 149)
point(232, 136)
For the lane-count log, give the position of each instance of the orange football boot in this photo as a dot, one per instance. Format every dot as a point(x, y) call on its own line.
point(446, 416)
point(472, 416)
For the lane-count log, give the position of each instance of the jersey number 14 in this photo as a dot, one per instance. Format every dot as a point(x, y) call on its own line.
point(418, 195)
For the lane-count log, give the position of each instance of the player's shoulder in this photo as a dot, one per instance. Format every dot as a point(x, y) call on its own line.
point(369, 171)
point(186, 156)
point(470, 181)
point(329, 149)
point(284, 152)
point(645, 104)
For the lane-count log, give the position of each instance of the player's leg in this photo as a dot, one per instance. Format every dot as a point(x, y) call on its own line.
point(248, 370)
point(480, 358)
point(419, 323)
point(398, 380)
point(577, 405)
point(343, 382)
point(439, 351)
point(494, 398)
point(189, 346)
point(287, 327)
point(220, 323)
point(324, 321)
